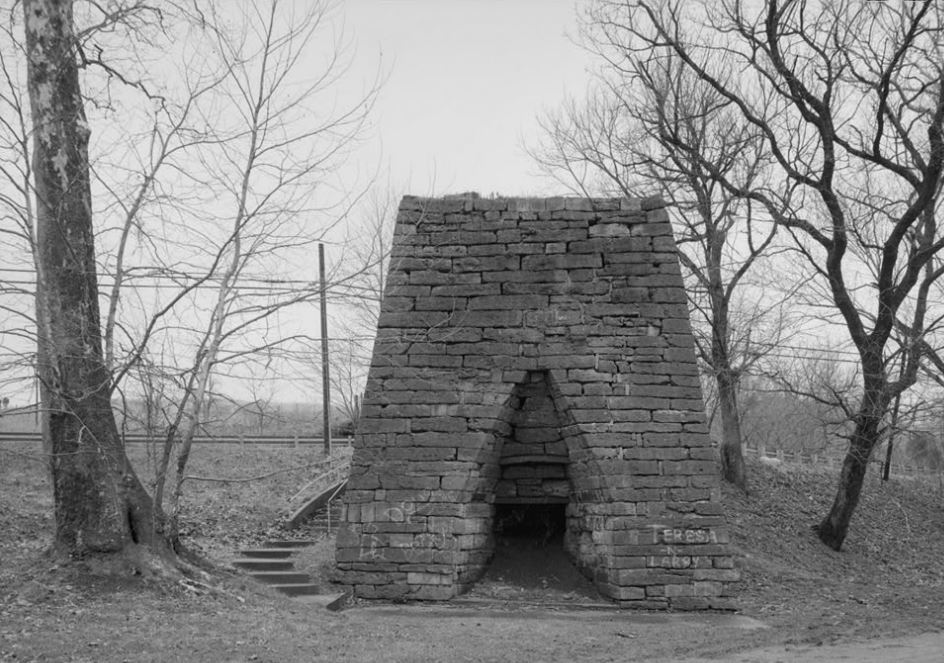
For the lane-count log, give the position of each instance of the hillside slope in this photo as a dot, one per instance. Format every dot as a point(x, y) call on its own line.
point(887, 580)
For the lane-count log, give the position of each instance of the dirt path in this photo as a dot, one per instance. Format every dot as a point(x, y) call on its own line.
point(110, 624)
point(925, 648)
point(478, 632)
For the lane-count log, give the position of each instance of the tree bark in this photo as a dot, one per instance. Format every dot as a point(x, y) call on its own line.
point(732, 457)
point(833, 528)
point(100, 505)
point(733, 469)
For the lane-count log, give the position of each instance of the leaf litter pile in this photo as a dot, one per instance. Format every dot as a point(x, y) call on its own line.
point(887, 581)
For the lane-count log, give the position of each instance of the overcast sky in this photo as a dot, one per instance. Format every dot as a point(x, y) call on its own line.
point(466, 80)
point(464, 83)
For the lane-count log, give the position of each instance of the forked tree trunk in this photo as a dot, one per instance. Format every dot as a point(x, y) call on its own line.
point(100, 505)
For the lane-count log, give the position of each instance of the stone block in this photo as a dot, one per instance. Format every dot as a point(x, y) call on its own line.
point(674, 591)
point(455, 482)
point(504, 318)
point(644, 577)
point(609, 230)
point(532, 263)
point(627, 562)
point(416, 578)
point(688, 467)
point(439, 424)
point(629, 593)
point(478, 264)
point(440, 304)
point(464, 290)
point(379, 425)
point(502, 302)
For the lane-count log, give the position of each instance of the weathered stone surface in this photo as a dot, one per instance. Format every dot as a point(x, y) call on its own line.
point(535, 351)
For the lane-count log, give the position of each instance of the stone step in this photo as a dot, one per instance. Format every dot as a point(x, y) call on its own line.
point(272, 564)
point(268, 553)
point(259, 564)
point(333, 601)
point(297, 589)
point(281, 577)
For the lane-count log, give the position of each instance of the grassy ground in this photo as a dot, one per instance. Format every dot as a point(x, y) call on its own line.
point(889, 580)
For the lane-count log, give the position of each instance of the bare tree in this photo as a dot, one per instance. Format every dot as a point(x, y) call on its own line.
point(234, 189)
point(847, 100)
point(357, 279)
point(100, 504)
point(817, 388)
point(367, 249)
point(624, 137)
point(270, 156)
point(17, 214)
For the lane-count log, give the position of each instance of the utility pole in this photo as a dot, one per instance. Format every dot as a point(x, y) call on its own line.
point(325, 375)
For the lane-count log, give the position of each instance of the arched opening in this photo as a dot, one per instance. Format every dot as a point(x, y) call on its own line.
point(533, 460)
point(532, 491)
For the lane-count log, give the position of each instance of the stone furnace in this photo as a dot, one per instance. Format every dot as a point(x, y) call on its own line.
point(535, 354)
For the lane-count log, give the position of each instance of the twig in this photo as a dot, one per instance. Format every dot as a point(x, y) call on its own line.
point(38, 459)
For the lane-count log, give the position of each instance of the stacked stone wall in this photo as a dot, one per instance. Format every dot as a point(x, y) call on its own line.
point(535, 350)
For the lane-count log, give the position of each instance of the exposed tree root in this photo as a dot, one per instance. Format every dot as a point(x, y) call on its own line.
point(136, 568)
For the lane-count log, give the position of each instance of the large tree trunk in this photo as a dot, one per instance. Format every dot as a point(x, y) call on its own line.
point(732, 456)
point(100, 505)
point(833, 528)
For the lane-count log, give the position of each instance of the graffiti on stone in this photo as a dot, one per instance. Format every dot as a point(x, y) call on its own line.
point(402, 512)
point(692, 536)
point(371, 547)
point(673, 560)
point(374, 543)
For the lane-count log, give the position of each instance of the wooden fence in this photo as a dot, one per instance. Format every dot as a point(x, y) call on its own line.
point(834, 458)
point(272, 440)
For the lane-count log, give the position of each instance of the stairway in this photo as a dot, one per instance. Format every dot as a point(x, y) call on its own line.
point(273, 565)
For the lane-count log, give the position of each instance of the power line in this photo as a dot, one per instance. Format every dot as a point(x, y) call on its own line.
point(342, 283)
point(257, 286)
